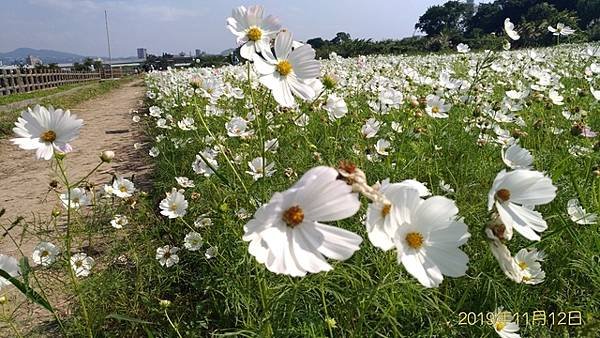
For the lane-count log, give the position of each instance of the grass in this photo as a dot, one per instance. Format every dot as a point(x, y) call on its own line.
point(38, 93)
point(87, 91)
point(369, 295)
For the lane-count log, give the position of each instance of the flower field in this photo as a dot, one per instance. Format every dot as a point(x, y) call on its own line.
point(450, 195)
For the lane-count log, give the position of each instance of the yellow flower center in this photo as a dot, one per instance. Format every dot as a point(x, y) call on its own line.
point(173, 207)
point(503, 195)
point(523, 265)
point(435, 109)
point(284, 67)
point(414, 240)
point(500, 326)
point(123, 188)
point(386, 210)
point(79, 264)
point(526, 278)
point(48, 136)
point(44, 253)
point(254, 34)
point(293, 216)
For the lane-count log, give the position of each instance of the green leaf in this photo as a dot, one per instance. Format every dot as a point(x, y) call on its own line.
point(128, 319)
point(27, 291)
point(25, 270)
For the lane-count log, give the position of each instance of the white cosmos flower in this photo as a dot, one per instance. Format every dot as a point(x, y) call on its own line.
point(205, 162)
point(155, 111)
point(515, 194)
point(202, 222)
point(260, 168)
point(509, 28)
point(186, 124)
point(167, 255)
point(184, 182)
point(503, 256)
point(336, 107)
point(288, 71)
point(561, 29)
point(397, 127)
point(46, 130)
point(174, 205)
point(11, 266)
point(272, 145)
point(578, 213)
point(529, 266)
point(287, 235)
point(382, 216)
point(82, 264)
point(436, 107)
point(252, 30)
point(595, 93)
point(154, 152)
point(462, 48)
point(428, 234)
point(236, 127)
point(45, 253)
point(504, 325)
point(211, 252)
point(119, 221)
point(123, 188)
point(516, 157)
point(78, 196)
point(192, 241)
point(447, 188)
point(556, 98)
point(381, 147)
point(370, 128)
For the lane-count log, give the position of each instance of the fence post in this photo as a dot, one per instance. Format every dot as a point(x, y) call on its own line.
point(3, 82)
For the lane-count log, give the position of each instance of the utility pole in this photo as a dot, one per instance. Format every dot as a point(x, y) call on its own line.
point(108, 40)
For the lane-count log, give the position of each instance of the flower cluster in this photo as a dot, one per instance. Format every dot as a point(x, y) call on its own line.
point(512, 200)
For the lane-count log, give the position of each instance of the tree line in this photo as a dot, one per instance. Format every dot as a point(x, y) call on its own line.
point(480, 26)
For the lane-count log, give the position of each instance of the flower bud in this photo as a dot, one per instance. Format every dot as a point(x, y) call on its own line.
point(55, 212)
point(107, 156)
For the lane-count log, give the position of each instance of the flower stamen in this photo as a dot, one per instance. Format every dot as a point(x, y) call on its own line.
point(254, 34)
point(48, 136)
point(503, 195)
point(293, 216)
point(414, 240)
point(386, 209)
point(284, 67)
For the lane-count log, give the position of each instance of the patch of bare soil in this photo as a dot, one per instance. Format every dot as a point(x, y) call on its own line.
point(24, 180)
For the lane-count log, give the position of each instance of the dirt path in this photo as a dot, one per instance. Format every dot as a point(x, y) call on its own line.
point(107, 126)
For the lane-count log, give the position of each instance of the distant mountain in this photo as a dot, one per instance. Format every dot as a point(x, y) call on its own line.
point(46, 55)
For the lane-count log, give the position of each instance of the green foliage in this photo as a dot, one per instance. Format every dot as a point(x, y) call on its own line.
point(370, 294)
point(480, 27)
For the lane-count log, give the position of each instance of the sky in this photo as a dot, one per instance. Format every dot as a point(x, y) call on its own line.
point(174, 26)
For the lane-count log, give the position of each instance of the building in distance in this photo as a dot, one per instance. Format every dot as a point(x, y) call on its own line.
point(142, 53)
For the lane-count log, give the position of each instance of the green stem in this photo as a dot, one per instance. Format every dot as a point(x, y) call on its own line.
point(235, 171)
point(325, 306)
point(68, 251)
point(172, 325)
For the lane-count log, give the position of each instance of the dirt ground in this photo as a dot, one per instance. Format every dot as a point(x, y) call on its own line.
point(24, 180)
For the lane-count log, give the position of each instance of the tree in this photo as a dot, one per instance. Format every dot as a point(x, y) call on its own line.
point(316, 43)
point(340, 38)
point(451, 17)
